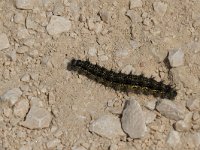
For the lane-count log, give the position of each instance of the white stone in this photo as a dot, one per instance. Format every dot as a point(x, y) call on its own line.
point(151, 105)
point(176, 58)
point(25, 4)
point(25, 78)
point(128, 69)
point(12, 55)
point(53, 143)
point(4, 43)
point(37, 118)
point(12, 95)
point(192, 140)
point(160, 8)
point(22, 33)
point(134, 16)
point(193, 104)
point(133, 119)
point(150, 116)
point(92, 51)
point(58, 25)
point(107, 126)
point(21, 108)
point(184, 125)
point(19, 18)
point(170, 110)
point(58, 9)
point(33, 53)
point(105, 16)
point(121, 53)
point(173, 138)
point(22, 49)
point(135, 3)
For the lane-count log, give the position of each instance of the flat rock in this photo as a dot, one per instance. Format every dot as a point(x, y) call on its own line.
point(173, 138)
point(25, 4)
point(58, 25)
point(176, 58)
point(4, 43)
point(170, 110)
point(133, 119)
point(107, 126)
point(37, 118)
point(12, 96)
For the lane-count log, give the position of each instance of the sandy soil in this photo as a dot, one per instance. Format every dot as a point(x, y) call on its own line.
point(122, 35)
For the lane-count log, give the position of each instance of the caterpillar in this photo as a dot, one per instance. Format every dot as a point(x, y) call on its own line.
point(138, 84)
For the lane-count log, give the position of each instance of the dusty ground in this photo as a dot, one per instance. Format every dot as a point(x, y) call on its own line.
point(122, 35)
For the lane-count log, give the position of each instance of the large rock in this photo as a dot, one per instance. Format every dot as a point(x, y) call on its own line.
point(107, 126)
point(133, 119)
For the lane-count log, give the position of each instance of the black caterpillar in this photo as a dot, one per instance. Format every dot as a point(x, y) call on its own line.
point(123, 82)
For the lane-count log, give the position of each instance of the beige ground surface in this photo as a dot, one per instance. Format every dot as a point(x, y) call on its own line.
point(123, 35)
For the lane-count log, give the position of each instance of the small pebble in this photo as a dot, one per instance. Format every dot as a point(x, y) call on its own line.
point(184, 125)
point(121, 53)
point(160, 8)
point(128, 69)
point(19, 18)
point(135, 3)
point(58, 25)
point(21, 108)
point(107, 126)
point(150, 116)
point(105, 16)
point(25, 4)
point(133, 120)
point(53, 143)
point(173, 138)
point(92, 51)
point(170, 110)
point(193, 104)
point(151, 105)
point(12, 96)
point(4, 43)
point(25, 78)
point(176, 58)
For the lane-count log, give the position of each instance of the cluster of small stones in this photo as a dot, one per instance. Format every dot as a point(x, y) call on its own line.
point(30, 109)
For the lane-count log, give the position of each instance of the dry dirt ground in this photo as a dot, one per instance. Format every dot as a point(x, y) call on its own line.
point(46, 106)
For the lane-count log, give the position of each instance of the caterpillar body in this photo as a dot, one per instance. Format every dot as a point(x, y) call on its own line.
point(123, 82)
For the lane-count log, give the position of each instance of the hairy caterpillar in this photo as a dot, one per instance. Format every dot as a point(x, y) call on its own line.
point(123, 82)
